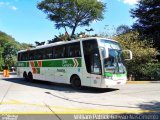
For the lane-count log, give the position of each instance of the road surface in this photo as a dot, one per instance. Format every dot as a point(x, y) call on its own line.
point(18, 96)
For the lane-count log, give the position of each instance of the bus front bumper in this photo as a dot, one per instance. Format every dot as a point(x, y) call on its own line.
point(109, 82)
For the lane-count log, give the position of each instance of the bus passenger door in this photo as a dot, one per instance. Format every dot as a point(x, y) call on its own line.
point(92, 62)
point(96, 71)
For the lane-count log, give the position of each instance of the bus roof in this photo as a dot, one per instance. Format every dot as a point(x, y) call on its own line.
point(65, 42)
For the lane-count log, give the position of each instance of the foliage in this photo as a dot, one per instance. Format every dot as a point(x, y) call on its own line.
point(61, 37)
point(122, 29)
point(143, 53)
point(149, 71)
point(72, 13)
point(8, 50)
point(147, 14)
point(66, 37)
point(25, 46)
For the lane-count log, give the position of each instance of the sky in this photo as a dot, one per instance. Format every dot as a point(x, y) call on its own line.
point(23, 21)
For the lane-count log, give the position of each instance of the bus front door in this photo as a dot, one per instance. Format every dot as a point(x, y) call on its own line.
point(96, 72)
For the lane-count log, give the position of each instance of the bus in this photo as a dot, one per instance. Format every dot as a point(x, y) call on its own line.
point(93, 62)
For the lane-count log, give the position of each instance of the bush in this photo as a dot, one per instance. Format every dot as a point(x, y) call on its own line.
point(150, 71)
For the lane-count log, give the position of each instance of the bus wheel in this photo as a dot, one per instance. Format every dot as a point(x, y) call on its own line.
point(25, 76)
point(76, 82)
point(30, 77)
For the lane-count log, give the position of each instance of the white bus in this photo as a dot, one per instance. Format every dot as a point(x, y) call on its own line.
point(93, 62)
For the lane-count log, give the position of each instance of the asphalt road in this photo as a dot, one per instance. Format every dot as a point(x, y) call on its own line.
point(18, 96)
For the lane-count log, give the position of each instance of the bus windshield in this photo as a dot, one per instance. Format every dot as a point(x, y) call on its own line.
point(114, 62)
point(110, 44)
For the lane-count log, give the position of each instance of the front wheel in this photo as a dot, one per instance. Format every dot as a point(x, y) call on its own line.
point(76, 82)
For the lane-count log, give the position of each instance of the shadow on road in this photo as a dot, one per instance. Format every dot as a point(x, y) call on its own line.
point(153, 105)
point(58, 87)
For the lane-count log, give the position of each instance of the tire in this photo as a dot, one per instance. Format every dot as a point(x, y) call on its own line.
point(25, 76)
point(30, 77)
point(76, 82)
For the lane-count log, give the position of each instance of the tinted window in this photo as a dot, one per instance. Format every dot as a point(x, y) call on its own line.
point(59, 51)
point(39, 54)
point(24, 56)
point(19, 57)
point(48, 53)
point(92, 57)
point(74, 50)
point(31, 55)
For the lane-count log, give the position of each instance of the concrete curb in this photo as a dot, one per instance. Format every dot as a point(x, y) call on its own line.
point(142, 82)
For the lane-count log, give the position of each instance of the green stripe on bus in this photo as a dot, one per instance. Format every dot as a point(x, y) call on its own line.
point(80, 62)
point(107, 74)
point(77, 62)
point(35, 63)
point(61, 63)
point(22, 64)
point(27, 64)
point(53, 63)
point(120, 75)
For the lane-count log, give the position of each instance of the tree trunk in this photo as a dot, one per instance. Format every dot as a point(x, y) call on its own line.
point(65, 29)
point(73, 30)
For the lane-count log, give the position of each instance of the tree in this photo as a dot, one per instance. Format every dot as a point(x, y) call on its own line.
point(122, 29)
point(8, 50)
point(147, 14)
point(25, 46)
point(144, 54)
point(72, 13)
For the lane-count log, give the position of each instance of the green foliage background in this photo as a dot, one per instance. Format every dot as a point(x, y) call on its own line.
point(8, 50)
point(143, 65)
point(147, 14)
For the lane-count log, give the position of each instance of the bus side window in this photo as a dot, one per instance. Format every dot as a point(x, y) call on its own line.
point(31, 55)
point(74, 50)
point(48, 53)
point(19, 57)
point(53, 52)
point(78, 50)
point(56, 54)
point(24, 56)
point(39, 54)
point(60, 51)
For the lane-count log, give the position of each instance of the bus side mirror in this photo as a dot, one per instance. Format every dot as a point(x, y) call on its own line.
point(104, 52)
point(127, 54)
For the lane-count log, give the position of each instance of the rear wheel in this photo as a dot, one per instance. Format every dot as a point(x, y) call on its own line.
point(30, 77)
point(76, 82)
point(25, 76)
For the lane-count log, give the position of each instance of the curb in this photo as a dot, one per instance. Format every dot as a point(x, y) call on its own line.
point(142, 82)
